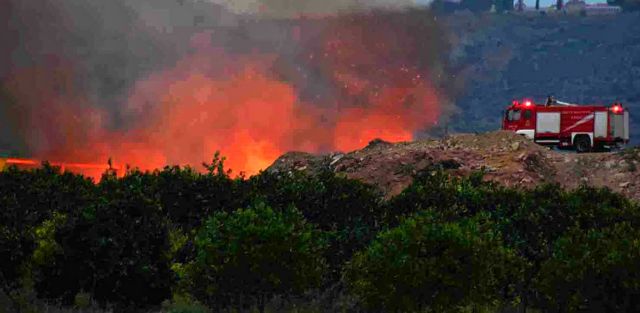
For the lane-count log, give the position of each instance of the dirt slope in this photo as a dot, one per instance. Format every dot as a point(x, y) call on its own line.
point(507, 158)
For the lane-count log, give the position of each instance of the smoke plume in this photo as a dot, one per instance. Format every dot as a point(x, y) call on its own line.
point(293, 8)
point(150, 83)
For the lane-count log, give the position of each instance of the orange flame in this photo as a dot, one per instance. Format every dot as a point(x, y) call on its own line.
point(213, 101)
point(92, 170)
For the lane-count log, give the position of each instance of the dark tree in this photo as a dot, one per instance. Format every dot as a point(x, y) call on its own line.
point(476, 5)
point(627, 5)
point(254, 253)
point(503, 5)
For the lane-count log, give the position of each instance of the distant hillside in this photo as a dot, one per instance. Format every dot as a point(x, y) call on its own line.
point(578, 59)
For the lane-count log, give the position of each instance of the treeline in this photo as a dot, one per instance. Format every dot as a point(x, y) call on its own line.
point(192, 242)
point(631, 5)
point(472, 5)
point(509, 5)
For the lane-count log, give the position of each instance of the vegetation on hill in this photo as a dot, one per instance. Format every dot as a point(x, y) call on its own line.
point(182, 241)
point(626, 4)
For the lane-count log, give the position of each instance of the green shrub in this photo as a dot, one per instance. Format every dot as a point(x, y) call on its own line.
point(187, 308)
point(116, 248)
point(627, 5)
point(15, 248)
point(542, 215)
point(184, 304)
point(426, 264)
point(27, 199)
point(600, 207)
point(126, 240)
point(82, 300)
point(329, 201)
point(188, 197)
point(254, 254)
point(46, 246)
point(451, 198)
point(596, 269)
point(350, 209)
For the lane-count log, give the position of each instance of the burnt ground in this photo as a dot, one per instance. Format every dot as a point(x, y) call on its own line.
point(505, 157)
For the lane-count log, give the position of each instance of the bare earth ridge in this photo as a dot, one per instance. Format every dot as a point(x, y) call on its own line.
point(507, 158)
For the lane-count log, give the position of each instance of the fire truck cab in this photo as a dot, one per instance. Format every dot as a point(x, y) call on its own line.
point(564, 125)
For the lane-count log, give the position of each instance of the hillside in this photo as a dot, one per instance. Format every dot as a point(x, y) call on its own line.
point(507, 158)
point(497, 58)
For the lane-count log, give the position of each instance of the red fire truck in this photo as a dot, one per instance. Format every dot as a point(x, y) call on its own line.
point(565, 125)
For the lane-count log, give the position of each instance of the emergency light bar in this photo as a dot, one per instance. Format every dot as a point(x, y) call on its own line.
point(616, 108)
point(525, 102)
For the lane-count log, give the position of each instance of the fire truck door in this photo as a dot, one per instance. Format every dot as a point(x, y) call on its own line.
point(617, 125)
point(625, 133)
point(548, 122)
point(600, 125)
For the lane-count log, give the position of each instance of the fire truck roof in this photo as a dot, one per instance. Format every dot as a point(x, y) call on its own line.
point(616, 106)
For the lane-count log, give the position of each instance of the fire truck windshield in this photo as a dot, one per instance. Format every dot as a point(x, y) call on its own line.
point(513, 115)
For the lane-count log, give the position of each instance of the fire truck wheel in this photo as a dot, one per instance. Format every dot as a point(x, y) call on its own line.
point(582, 144)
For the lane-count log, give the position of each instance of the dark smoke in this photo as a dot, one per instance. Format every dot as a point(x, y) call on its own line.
point(105, 46)
point(82, 54)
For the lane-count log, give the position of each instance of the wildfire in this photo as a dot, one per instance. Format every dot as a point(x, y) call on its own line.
point(21, 162)
point(93, 170)
point(63, 165)
point(236, 103)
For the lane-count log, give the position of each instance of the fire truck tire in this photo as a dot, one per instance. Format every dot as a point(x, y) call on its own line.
point(582, 144)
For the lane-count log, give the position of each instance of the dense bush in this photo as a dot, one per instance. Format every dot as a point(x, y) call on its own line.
point(27, 199)
point(451, 198)
point(115, 248)
point(188, 197)
point(349, 209)
point(325, 199)
point(530, 220)
point(123, 241)
point(426, 264)
point(15, 247)
point(596, 270)
point(254, 254)
point(629, 5)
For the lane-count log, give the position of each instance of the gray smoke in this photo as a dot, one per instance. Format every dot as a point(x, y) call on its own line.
point(95, 51)
point(91, 48)
point(293, 8)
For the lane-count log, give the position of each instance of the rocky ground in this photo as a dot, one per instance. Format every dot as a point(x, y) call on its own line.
point(507, 158)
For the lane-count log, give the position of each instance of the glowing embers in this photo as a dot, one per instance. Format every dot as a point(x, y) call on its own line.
point(357, 84)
